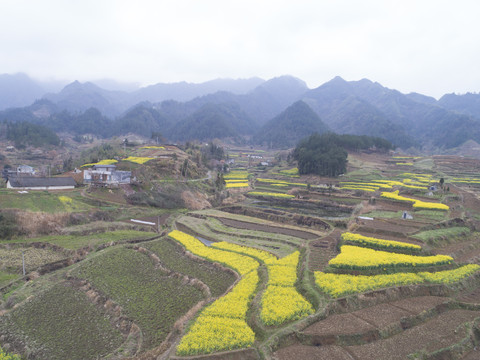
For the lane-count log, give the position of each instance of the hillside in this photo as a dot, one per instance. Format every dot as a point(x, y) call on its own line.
point(213, 121)
point(285, 130)
point(347, 107)
point(18, 90)
point(399, 117)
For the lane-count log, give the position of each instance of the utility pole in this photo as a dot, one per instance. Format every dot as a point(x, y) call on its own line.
point(23, 262)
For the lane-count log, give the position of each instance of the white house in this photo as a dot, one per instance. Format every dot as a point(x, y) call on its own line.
point(25, 170)
point(106, 175)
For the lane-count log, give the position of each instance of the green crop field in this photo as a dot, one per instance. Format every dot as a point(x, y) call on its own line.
point(74, 242)
point(43, 201)
point(249, 219)
point(172, 257)
point(151, 299)
point(199, 226)
point(444, 233)
point(11, 259)
point(61, 323)
point(217, 226)
point(6, 277)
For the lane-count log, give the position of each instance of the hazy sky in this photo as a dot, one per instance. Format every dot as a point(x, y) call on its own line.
point(431, 47)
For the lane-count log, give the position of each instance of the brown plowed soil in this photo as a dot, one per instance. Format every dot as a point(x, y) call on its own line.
point(383, 315)
point(389, 227)
point(266, 228)
point(389, 205)
point(472, 355)
point(344, 324)
point(471, 296)
point(440, 332)
point(462, 251)
point(378, 316)
point(323, 250)
point(418, 304)
point(303, 352)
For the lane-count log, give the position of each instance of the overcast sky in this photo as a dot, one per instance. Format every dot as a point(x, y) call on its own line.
point(431, 47)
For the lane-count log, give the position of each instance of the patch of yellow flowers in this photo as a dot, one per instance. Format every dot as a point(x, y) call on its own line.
point(236, 175)
point(280, 182)
point(239, 263)
point(430, 206)
point(358, 258)
point(221, 326)
point(153, 147)
point(337, 285)
point(417, 204)
point(270, 194)
point(138, 159)
point(8, 356)
point(102, 162)
point(236, 184)
point(65, 200)
point(378, 243)
point(281, 302)
point(290, 172)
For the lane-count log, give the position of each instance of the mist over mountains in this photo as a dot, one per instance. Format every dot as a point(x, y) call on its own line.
point(276, 113)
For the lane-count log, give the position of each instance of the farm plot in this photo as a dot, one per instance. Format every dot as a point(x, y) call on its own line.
point(201, 228)
point(222, 325)
point(281, 301)
point(424, 216)
point(394, 268)
point(43, 201)
point(412, 325)
point(75, 242)
point(447, 329)
point(253, 223)
point(172, 256)
point(217, 226)
point(431, 236)
point(151, 299)
point(60, 323)
point(390, 227)
point(11, 258)
point(7, 277)
point(321, 251)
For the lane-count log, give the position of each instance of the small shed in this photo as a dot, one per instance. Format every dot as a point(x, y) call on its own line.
point(40, 183)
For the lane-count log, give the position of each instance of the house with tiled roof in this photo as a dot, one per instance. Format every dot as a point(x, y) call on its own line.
point(40, 183)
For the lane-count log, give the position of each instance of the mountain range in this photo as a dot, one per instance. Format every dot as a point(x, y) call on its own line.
point(276, 113)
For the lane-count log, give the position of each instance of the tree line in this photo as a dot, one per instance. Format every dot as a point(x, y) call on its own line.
point(326, 154)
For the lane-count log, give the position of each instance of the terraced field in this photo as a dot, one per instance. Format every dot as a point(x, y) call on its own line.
point(80, 330)
point(152, 299)
point(262, 279)
point(215, 230)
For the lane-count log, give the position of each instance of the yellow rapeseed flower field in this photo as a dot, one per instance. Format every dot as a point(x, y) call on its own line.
point(231, 185)
point(138, 159)
point(337, 285)
point(221, 326)
point(380, 243)
point(354, 257)
point(417, 204)
point(270, 194)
